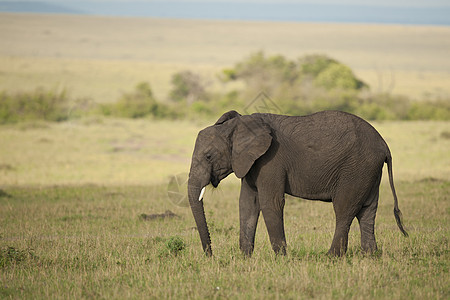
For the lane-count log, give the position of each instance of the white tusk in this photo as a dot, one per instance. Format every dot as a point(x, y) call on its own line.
point(201, 194)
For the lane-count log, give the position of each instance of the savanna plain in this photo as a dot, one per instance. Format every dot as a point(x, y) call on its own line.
point(84, 203)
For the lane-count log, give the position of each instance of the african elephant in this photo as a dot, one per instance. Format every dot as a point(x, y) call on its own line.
point(329, 156)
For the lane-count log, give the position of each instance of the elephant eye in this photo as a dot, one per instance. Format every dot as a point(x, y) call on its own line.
point(208, 156)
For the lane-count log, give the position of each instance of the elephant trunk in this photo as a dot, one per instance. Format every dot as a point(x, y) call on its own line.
point(195, 194)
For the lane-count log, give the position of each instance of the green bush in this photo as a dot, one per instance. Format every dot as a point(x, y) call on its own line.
point(175, 245)
point(138, 104)
point(263, 73)
point(187, 87)
point(439, 110)
point(37, 105)
point(305, 85)
point(315, 64)
point(337, 76)
point(201, 108)
point(317, 82)
point(389, 107)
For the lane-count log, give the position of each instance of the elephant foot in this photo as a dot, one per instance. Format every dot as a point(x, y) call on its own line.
point(370, 249)
point(337, 251)
point(334, 253)
point(279, 249)
point(247, 252)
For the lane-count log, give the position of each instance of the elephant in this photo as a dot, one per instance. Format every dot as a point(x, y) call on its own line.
point(329, 156)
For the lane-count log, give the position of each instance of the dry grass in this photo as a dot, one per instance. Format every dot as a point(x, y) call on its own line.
point(100, 57)
point(95, 151)
point(126, 152)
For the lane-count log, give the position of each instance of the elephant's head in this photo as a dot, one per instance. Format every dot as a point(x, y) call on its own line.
point(232, 144)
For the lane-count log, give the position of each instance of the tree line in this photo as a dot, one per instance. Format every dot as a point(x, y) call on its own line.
point(295, 87)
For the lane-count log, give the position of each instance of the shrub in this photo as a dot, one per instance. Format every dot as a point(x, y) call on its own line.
point(391, 107)
point(138, 104)
point(299, 86)
point(313, 65)
point(263, 73)
point(338, 76)
point(201, 108)
point(37, 105)
point(439, 110)
point(175, 245)
point(317, 82)
point(188, 87)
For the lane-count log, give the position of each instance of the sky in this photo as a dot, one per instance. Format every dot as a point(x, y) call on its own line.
point(401, 3)
point(405, 3)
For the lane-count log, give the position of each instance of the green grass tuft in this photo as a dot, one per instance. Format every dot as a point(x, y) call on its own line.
point(12, 256)
point(175, 245)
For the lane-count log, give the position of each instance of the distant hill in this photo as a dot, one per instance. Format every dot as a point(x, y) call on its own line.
point(37, 7)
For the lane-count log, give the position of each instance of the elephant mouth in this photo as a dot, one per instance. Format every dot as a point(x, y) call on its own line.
point(216, 178)
point(214, 181)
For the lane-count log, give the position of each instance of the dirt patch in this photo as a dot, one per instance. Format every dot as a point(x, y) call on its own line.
point(445, 135)
point(128, 145)
point(167, 215)
point(431, 180)
point(44, 140)
point(6, 167)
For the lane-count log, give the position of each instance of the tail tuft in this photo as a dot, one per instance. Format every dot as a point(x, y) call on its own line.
point(398, 218)
point(397, 212)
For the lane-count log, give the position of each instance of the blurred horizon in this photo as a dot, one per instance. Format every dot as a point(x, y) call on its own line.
point(436, 12)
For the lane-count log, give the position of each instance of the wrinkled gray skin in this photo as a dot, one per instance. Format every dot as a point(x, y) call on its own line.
point(329, 156)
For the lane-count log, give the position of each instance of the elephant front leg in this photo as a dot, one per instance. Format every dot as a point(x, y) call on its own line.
point(273, 217)
point(248, 213)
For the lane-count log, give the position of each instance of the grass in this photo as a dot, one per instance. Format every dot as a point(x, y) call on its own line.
point(95, 151)
point(89, 242)
point(73, 193)
point(102, 57)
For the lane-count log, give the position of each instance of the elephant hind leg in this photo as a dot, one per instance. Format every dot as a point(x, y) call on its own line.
point(340, 239)
point(346, 206)
point(366, 218)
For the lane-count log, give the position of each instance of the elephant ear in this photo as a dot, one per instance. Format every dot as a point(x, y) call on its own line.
point(251, 139)
point(227, 116)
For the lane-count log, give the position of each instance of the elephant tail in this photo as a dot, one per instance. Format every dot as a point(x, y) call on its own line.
point(397, 212)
